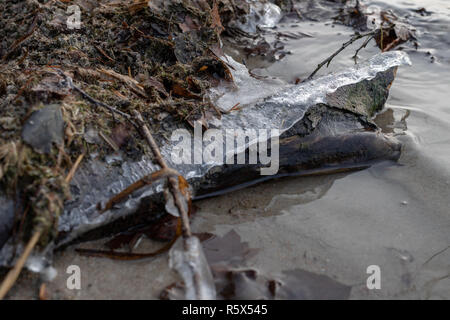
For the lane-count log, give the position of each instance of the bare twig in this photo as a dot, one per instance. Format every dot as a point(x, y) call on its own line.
point(391, 45)
point(104, 53)
point(173, 181)
point(74, 168)
point(147, 180)
point(22, 39)
point(356, 37)
point(131, 83)
point(128, 256)
point(108, 140)
point(365, 43)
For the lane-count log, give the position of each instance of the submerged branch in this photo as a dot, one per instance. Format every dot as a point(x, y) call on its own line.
point(129, 256)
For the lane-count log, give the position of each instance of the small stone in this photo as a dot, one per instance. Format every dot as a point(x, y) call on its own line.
point(404, 203)
point(43, 128)
point(91, 136)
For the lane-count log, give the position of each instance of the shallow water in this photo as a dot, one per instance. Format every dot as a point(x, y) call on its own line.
point(395, 216)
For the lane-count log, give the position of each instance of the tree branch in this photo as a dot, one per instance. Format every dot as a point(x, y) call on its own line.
point(356, 37)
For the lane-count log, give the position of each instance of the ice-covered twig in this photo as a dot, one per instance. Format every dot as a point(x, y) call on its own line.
point(190, 262)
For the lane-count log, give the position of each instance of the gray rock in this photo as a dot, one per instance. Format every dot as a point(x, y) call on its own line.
point(43, 128)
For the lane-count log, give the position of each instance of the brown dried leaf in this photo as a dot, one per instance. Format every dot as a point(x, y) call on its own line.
point(216, 22)
point(153, 83)
point(249, 284)
point(229, 250)
point(180, 91)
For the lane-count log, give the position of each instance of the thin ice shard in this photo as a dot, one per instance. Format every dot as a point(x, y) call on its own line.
point(262, 14)
point(189, 261)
